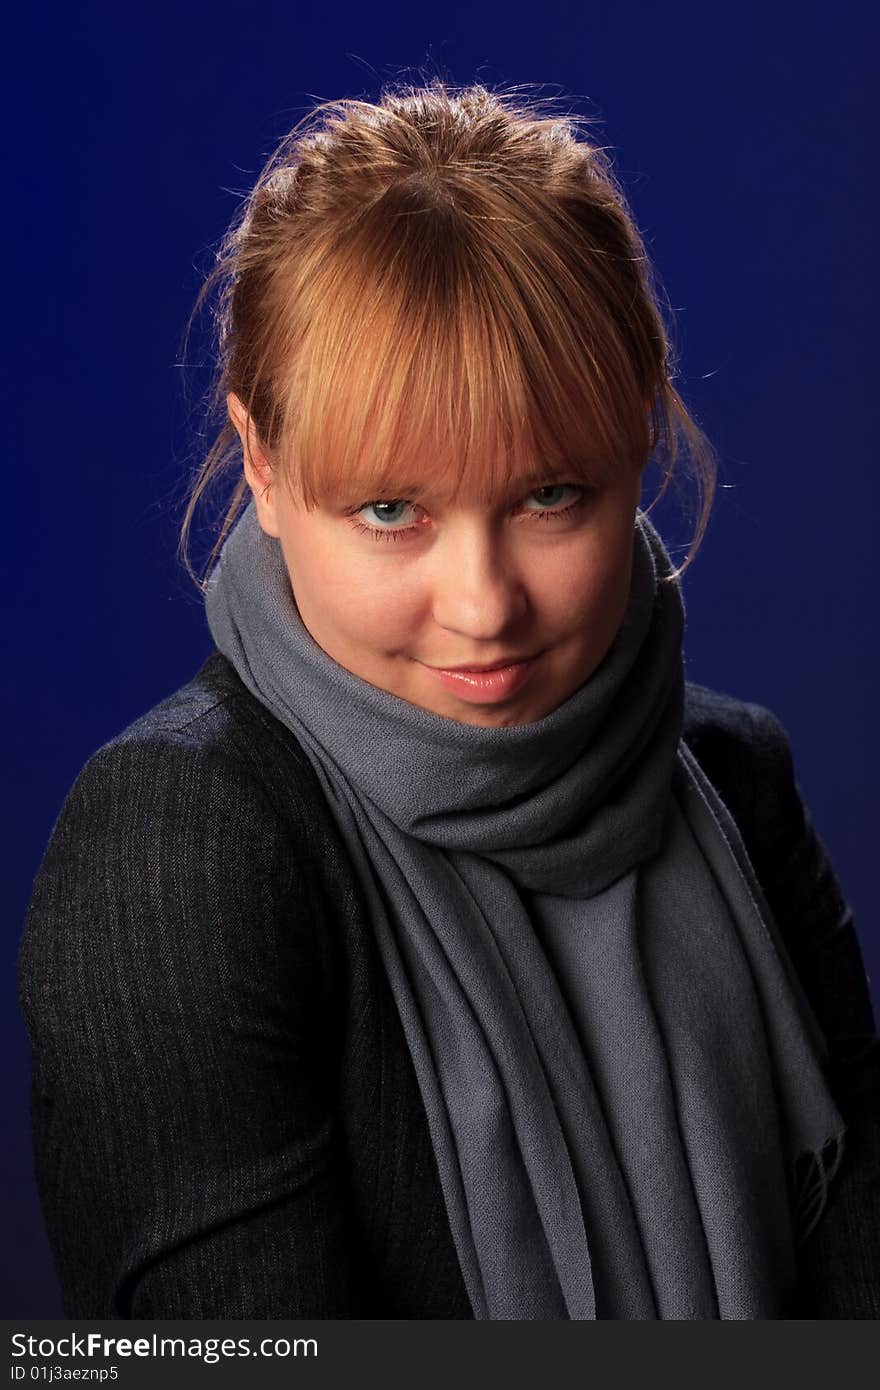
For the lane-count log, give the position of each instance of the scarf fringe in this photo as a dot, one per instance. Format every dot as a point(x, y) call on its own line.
point(813, 1174)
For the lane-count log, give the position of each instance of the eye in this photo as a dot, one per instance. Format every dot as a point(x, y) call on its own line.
point(389, 512)
point(547, 508)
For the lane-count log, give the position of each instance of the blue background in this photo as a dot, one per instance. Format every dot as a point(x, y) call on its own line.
point(744, 141)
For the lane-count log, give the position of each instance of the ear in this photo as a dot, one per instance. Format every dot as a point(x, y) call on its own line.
point(258, 467)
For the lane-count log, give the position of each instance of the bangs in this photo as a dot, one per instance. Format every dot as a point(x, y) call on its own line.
point(438, 380)
point(434, 295)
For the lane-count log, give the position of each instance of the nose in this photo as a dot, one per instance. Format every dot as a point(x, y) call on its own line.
point(478, 591)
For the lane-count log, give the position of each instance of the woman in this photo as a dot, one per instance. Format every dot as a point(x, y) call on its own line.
point(361, 984)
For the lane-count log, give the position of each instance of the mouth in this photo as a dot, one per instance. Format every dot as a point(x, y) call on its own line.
point(486, 684)
point(478, 668)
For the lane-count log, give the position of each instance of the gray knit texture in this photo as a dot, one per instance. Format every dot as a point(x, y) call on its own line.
point(624, 1084)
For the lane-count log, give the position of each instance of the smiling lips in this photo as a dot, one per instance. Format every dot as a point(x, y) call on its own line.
point(478, 667)
point(485, 685)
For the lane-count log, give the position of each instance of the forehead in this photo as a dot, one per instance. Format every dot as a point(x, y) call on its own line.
point(341, 455)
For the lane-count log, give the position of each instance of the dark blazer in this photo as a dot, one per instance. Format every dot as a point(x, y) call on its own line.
point(226, 1119)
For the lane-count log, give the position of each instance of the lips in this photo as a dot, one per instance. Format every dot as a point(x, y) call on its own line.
point(485, 686)
point(489, 666)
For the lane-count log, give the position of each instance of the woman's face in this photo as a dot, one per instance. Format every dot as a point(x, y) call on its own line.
point(543, 575)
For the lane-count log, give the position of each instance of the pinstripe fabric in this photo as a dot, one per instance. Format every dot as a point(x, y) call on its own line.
point(226, 1120)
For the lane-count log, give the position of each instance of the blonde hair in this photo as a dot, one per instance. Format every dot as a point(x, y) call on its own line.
point(448, 274)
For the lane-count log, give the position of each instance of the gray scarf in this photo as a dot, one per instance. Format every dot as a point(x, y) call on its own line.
point(624, 1083)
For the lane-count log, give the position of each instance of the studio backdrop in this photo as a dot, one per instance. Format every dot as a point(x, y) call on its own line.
point(743, 139)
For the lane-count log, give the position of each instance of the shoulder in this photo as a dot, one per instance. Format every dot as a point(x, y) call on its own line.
point(182, 850)
point(207, 759)
point(213, 721)
point(746, 752)
point(719, 723)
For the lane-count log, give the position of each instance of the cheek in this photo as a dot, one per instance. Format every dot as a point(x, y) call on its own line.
point(376, 604)
point(355, 612)
point(594, 586)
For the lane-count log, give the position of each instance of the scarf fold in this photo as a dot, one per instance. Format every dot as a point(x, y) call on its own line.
point(624, 1084)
